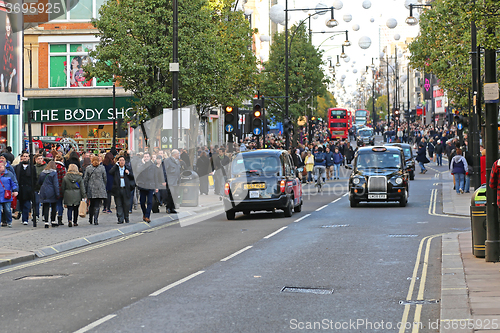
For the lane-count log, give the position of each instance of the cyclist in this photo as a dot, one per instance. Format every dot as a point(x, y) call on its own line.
point(320, 166)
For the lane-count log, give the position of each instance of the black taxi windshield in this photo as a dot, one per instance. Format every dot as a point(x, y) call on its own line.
point(365, 133)
point(378, 160)
point(255, 164)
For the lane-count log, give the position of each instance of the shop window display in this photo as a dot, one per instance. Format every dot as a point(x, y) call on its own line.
point(73, 75)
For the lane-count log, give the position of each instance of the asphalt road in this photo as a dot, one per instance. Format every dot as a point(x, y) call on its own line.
point(214, 275)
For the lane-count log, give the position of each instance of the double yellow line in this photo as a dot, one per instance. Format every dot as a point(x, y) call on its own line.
point(432, 206)
point(421, 288)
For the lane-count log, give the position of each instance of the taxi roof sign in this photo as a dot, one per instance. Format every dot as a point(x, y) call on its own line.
point(379, 149)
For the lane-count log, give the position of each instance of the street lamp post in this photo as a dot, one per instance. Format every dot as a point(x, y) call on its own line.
point(174, 68)
point(330, 23)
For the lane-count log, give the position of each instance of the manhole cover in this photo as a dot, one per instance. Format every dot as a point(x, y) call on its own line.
point(426, 301)
point(335, 226)
point(42, 277)
point(403, 236)
point(306, 290)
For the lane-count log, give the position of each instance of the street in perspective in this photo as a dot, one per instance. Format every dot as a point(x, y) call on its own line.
point(249, 166)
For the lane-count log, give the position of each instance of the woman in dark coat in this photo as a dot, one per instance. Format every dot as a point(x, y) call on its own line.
point(95, 186)
point(72, 158)
point(108, 163)
point(203, 169)
point(422, 158)
point(49, 192)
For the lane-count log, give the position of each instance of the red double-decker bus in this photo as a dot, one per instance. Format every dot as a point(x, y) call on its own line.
point(362, 117)
point(338, 123)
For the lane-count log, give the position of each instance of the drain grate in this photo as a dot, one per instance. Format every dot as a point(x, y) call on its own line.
point(427, 301)
point(41, 277)
point(402, 236)
point(335, 226)
point(307, 290)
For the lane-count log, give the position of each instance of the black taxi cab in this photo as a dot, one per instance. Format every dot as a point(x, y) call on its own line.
point(262, 180)
point(409, 157)
point(378, 174)
point(365, 137)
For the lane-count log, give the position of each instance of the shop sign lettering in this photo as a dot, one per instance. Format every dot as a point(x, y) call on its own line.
point(78, 114)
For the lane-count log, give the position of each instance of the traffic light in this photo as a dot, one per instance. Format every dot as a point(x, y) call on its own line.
point(396, 114)
point(287, 126)
point(459, 121)
point(230, 119)
point(256, 117)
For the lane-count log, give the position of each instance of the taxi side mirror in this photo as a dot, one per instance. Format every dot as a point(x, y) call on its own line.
point(348, 166)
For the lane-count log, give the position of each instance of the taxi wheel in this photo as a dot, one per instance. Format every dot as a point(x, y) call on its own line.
point(298, 208)
point(412, 175)
point(230, 215)
point(354, 203)
point(404, 200)
point(289, 209)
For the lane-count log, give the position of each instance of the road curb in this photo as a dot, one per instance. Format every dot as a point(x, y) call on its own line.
point(99, 237)
point(454, 303)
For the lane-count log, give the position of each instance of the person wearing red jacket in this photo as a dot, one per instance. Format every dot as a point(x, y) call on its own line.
point(483, 166)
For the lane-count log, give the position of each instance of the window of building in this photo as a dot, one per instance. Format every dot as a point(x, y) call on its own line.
point(81, 10)
point(66, 63)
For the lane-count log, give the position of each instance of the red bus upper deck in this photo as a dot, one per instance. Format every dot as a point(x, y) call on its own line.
point(338, 123)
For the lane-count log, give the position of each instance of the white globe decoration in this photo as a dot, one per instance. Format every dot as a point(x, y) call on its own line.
point(354, 70)
point(355, 27)
point(315, 17)
point(248, 11)
point(397, 37)
point(355, 60)
point(364, 42)
point(347, 70)
point(347, 17)
point(321, 11)
point(403, 78)
point(277, 14)
point(347, 59)
point(343, 76)
point(381, 55)
point(352, 65)
point(337, 4)
point(391, 23)
point(265, 38)
point(372, 20)
point(408, 2)
point(366, 4)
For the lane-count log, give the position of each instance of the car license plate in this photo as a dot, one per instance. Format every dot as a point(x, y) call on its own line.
point(254, 194)
point(254, 186)
point(377, 196)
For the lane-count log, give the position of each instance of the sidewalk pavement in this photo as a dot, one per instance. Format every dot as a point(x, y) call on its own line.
point(470, 293)
point(23, 242)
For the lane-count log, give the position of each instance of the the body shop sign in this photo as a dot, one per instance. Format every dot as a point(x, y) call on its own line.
point(49, 110)
point(439, 100)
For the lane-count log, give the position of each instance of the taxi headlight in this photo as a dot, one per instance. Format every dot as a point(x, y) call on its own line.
point(399, 180)
point(355, 181)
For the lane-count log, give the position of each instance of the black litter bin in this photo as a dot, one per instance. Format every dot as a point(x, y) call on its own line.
point(478, 221)
point(189, 189)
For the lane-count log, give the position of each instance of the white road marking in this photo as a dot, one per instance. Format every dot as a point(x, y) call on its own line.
point(95, 324)
point(320, 208)
point(156, 293)
point(303, 217)
point(236, 253)
point(334, 201)
point(274, 233)
point(346, 194)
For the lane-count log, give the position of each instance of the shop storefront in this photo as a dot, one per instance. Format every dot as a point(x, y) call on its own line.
point(87, 120)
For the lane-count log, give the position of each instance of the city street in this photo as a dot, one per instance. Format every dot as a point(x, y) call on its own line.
point(331, 265)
